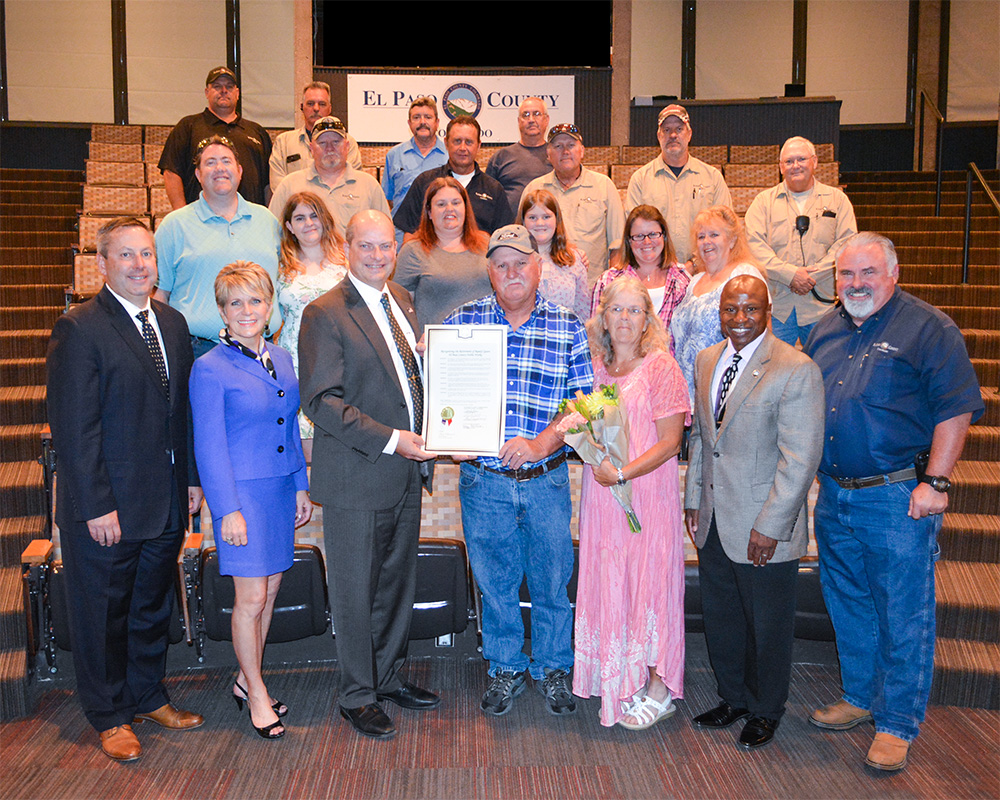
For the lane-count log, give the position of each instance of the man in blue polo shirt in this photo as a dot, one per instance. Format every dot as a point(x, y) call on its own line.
point(423, 151)
point(516, 507)
point(194, 242)
point(900, 396)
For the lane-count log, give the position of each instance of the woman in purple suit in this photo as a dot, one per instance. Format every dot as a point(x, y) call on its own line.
point(244, 399)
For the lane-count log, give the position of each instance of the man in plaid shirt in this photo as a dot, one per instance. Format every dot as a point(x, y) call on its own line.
point(516, 507)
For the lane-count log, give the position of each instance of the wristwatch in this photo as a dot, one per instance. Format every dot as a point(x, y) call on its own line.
point(621, 477)
point(937, 482)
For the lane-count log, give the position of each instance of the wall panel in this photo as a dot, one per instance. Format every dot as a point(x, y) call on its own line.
point(856, 50)
point(743, 49)
point(656, 47)
point(267, 36)
point(172, 45)
point(59, 60)
point(974, 61)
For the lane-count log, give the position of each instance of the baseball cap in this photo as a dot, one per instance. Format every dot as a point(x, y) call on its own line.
point(674, 110)
point(218, 72)
point(513, 236)
point(326, 124)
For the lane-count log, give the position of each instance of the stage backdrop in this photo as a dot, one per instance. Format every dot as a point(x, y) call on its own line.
point(377, 104)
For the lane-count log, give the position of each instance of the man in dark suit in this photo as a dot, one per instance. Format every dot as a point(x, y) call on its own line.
point(756, 441)
point(118, 407)
point(361, 386)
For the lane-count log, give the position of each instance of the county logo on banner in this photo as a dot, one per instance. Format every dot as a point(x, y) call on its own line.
point(377, 104)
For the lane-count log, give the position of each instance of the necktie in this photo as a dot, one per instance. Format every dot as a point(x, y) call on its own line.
point(410, 364)
point(727, 381)
point(154, 349)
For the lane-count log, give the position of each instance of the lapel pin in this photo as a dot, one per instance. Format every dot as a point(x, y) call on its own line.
point(756, 373)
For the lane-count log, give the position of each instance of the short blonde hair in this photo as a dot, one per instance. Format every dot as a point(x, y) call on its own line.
point(243, 275)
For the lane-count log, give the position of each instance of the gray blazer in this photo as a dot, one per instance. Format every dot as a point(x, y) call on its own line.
point(351, 393)
point(756, 470)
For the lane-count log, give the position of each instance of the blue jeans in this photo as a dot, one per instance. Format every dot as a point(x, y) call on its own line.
point(513, 530)
point(877, 571)
point(790, 330)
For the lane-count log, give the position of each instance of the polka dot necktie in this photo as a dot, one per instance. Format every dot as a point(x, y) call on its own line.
point(727, 380)
point(410, 364)
point(154, 349)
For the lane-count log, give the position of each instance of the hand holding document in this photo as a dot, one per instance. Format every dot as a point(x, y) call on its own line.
point(465, 380)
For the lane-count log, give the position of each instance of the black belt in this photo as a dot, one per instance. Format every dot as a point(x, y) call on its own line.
point(907, 474)
point(521, 475)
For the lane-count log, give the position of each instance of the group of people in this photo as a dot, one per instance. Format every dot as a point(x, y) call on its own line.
point(318, 361)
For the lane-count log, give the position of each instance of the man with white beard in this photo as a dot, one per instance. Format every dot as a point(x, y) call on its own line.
point(900, 396)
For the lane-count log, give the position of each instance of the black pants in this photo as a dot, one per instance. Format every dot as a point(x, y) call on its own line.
point(749, 617)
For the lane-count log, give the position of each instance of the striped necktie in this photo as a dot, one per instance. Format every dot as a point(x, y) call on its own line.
point(727, 380)
point(410, 365)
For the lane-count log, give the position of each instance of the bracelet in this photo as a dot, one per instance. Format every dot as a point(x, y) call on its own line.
point(621, 477)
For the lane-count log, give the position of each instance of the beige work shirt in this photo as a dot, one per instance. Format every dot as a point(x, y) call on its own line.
point(592, 213)
point(777, 246)
point(678, 197)
point(355, 191)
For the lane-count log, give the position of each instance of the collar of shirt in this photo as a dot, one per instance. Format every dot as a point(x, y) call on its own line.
point(438, 146)
point(205, 212)
point(692, 166)
point(584, 179)
point(875, 319)
point(133, 311)
point(212, 119)
point(372, 298)
point(350, 175)
point(727, 358)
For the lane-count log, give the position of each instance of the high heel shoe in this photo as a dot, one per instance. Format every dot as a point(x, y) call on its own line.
point(279, 708)
point(266, 731)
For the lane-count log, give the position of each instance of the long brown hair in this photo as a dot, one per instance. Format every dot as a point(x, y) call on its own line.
point(724, 215)
point(473, 238)
point(559, 250)
point(289, 264)
point(650, 214)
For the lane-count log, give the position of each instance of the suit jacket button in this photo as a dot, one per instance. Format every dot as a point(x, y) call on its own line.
point(281, 448)
point(715, 455)
point(281, 420)
point(281, 392)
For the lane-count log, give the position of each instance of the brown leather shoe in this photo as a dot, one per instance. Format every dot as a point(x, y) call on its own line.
point(120, 743)
point(170, 717)
point(887, 752)
point(839, 716)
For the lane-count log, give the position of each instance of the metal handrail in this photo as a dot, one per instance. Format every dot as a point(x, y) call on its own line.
point(924, 101)
point(973, 171)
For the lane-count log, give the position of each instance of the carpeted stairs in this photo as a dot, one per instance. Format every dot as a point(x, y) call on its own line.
point(38, 211)
point(901, 205)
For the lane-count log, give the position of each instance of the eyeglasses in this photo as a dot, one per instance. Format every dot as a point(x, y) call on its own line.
point(531, 114)
point(795, 162)
point(655, 236)
point(632, 311)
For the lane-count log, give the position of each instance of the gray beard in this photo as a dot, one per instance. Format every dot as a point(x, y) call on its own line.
point(859, 308)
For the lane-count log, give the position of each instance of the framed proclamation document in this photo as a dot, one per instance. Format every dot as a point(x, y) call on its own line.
point(465, 389)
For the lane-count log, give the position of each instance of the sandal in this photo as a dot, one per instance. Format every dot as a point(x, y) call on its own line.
point(648, 712)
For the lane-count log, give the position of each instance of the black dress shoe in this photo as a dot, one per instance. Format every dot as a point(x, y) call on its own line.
point(410, 696)
point(722, 716)
point(757, 732)
point(369, 720)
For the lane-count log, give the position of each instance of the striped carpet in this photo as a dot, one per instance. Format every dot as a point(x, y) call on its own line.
point(456, 752)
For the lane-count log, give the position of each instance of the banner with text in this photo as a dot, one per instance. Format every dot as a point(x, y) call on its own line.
point(377, 105)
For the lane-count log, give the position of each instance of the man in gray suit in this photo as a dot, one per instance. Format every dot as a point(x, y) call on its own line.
point(360, 384)
point(756, 441)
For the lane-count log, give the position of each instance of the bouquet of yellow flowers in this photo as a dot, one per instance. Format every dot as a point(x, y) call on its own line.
point(599, 430)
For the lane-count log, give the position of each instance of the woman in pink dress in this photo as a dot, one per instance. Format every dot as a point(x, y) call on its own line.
point(630, 601)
